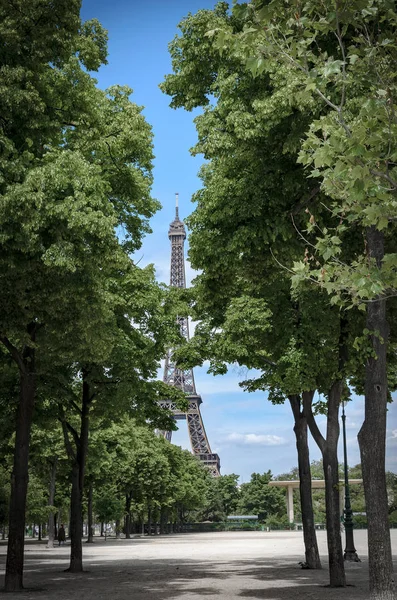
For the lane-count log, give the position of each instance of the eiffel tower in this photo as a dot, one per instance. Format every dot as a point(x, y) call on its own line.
point(184, 379)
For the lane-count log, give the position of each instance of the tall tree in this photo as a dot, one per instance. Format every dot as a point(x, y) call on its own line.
point(299, 56)
point(123, 382)
point(344, 54)
point(45, 456)
point(76, 165)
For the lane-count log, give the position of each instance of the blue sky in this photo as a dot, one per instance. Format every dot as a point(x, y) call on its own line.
point(249, 434)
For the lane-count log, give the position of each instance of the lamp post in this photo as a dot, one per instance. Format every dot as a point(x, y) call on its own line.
point(350, 551)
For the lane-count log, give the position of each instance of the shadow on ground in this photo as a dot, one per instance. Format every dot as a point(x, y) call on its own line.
point(138, 579)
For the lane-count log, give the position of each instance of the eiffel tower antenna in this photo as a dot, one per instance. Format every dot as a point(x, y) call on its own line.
point(184, 378)
point(176, 206)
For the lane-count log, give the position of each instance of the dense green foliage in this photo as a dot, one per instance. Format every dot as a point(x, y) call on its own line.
point(293, 232)
point(84, 325)
point(344, 56)
point(293, 227)
point(258, 498)
point(253, 199)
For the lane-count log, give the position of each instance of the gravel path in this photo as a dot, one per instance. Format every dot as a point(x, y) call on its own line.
point(215, 566)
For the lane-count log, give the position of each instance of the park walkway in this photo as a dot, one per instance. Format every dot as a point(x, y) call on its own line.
point(214, 566)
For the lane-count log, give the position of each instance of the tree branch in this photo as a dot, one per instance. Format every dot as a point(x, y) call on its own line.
point(112, 157)
point(73, 432)
point(386, 176)
point(341, 46)
point(69, 448)
point(75, 406)
point(307, 399)
point(305, 200)
point(295, 403)
point(269, 362)
point(14, 353)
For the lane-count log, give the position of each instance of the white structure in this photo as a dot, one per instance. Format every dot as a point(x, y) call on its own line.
point(316, 483)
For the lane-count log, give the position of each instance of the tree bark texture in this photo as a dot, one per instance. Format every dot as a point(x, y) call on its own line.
point(329, 451)
point(51, 500)
point(76, 524)
point(332, 491)
point(19, 477)
point(372, 441)
point(149, 520)
point(90, 538)
point(118, 529)
point(312, 556)
point(163, 520)
point(78, 457)
point(128, 498)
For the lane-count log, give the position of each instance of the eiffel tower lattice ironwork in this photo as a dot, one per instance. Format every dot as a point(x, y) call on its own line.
point(184, 379)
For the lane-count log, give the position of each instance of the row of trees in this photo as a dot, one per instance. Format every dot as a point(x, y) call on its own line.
point(135, 478)
point(294, 227)
point(298, 188)
point(131, 475)
point(82, 327)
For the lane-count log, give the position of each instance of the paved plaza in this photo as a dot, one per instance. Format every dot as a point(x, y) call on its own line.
point(214, 566)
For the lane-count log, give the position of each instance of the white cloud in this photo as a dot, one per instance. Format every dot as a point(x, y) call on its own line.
point(253, 439)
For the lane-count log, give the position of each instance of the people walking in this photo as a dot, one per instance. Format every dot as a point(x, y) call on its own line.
point(61, 535)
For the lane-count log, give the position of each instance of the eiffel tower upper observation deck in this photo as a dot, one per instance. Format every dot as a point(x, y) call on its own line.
point(184, 379)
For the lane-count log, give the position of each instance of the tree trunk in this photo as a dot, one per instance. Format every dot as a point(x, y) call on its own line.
point(118, 529)
point(90, 539)
point(149, 520)
point(163, 520)
point(19, 477)
point(181, 519)
point(51, 500)
point(329, 451)
point(332, 491)
point(76, 524)
point(312, 557)
point(78, 467)
point(128, 516)
point(156, 521)
point(372, 441)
